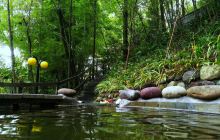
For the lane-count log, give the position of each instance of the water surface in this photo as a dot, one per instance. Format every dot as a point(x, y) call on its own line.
point(87, 122)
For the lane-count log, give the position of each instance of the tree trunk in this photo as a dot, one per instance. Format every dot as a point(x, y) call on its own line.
point(70, 39)
point(177, 7)
point(11, 45)
point(94, 38)
point(168, 15)
point(194, 4)
point(27, 25)
point(30, 71)
point(67, 42)
point(162, 16)
point(195, 13)
point(125, 29)
point(131, 31)
point(64, 36)
point(183, 7)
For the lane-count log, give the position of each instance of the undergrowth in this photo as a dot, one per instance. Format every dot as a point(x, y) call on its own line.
point(202, 49)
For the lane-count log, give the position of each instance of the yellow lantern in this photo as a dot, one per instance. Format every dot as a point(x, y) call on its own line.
point(44, 64)
point(32, 61)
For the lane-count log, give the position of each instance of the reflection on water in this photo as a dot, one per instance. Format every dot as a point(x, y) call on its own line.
point(107, 123)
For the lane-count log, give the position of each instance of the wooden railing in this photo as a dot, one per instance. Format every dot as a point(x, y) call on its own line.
point(86, 74)
point(20, 86)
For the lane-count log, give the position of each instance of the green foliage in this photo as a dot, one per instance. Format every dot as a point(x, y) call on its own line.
point(201, 48)
point(146, 71)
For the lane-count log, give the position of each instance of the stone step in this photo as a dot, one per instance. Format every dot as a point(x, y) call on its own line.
point(184, 103)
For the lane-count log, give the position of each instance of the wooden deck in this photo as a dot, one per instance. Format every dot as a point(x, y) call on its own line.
point(42, 100)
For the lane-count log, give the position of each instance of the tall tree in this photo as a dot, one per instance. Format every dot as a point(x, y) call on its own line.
point(11, 44)
point(94, 37)
point(27, 23)
point(183, 7)
point(65, 36)
point(125, 29)
point(194, 4)
point(70, 39)
point(162, 16)
point(177, 7)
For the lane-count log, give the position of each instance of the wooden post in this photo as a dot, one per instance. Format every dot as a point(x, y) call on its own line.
point(37, 76)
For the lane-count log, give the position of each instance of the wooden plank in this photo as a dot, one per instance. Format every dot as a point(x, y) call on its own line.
point(35, 99)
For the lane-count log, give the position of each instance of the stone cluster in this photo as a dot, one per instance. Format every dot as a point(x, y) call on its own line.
point(203, 84)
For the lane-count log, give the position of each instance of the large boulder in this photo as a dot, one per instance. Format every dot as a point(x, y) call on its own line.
point(208, 92)
point(173, 92)
point(129, 94)
point(210, 72)
point(190, 75)
point(201, 83)
point(150, 92)
point(67, 92)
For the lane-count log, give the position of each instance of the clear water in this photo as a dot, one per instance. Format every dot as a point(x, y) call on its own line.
point(107, 123)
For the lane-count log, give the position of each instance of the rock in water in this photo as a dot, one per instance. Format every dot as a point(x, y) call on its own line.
point(210, 72)
point(122, 102)
point(208, 92)
point(67, 92)
point(190, 75)
point(173, 92)
point(150, 92)
point(118, 102)
point(129, 94)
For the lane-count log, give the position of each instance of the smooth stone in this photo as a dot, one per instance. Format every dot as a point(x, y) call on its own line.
point(181, 84)
point(150, 92)
point(67, 92)
point(208, 92)
point(172, 83)
point(129, 94)
point(190, 75)
point(173, 92)
point(210, 72)
point(201, 83)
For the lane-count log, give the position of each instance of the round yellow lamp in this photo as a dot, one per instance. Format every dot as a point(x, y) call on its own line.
point(32, 61)
point(44, 64)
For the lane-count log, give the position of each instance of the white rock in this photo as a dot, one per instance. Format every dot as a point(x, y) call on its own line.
point(80, 102)
point(66, 91)
point(118, 102)
point(123, 102)
point(173, 92)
